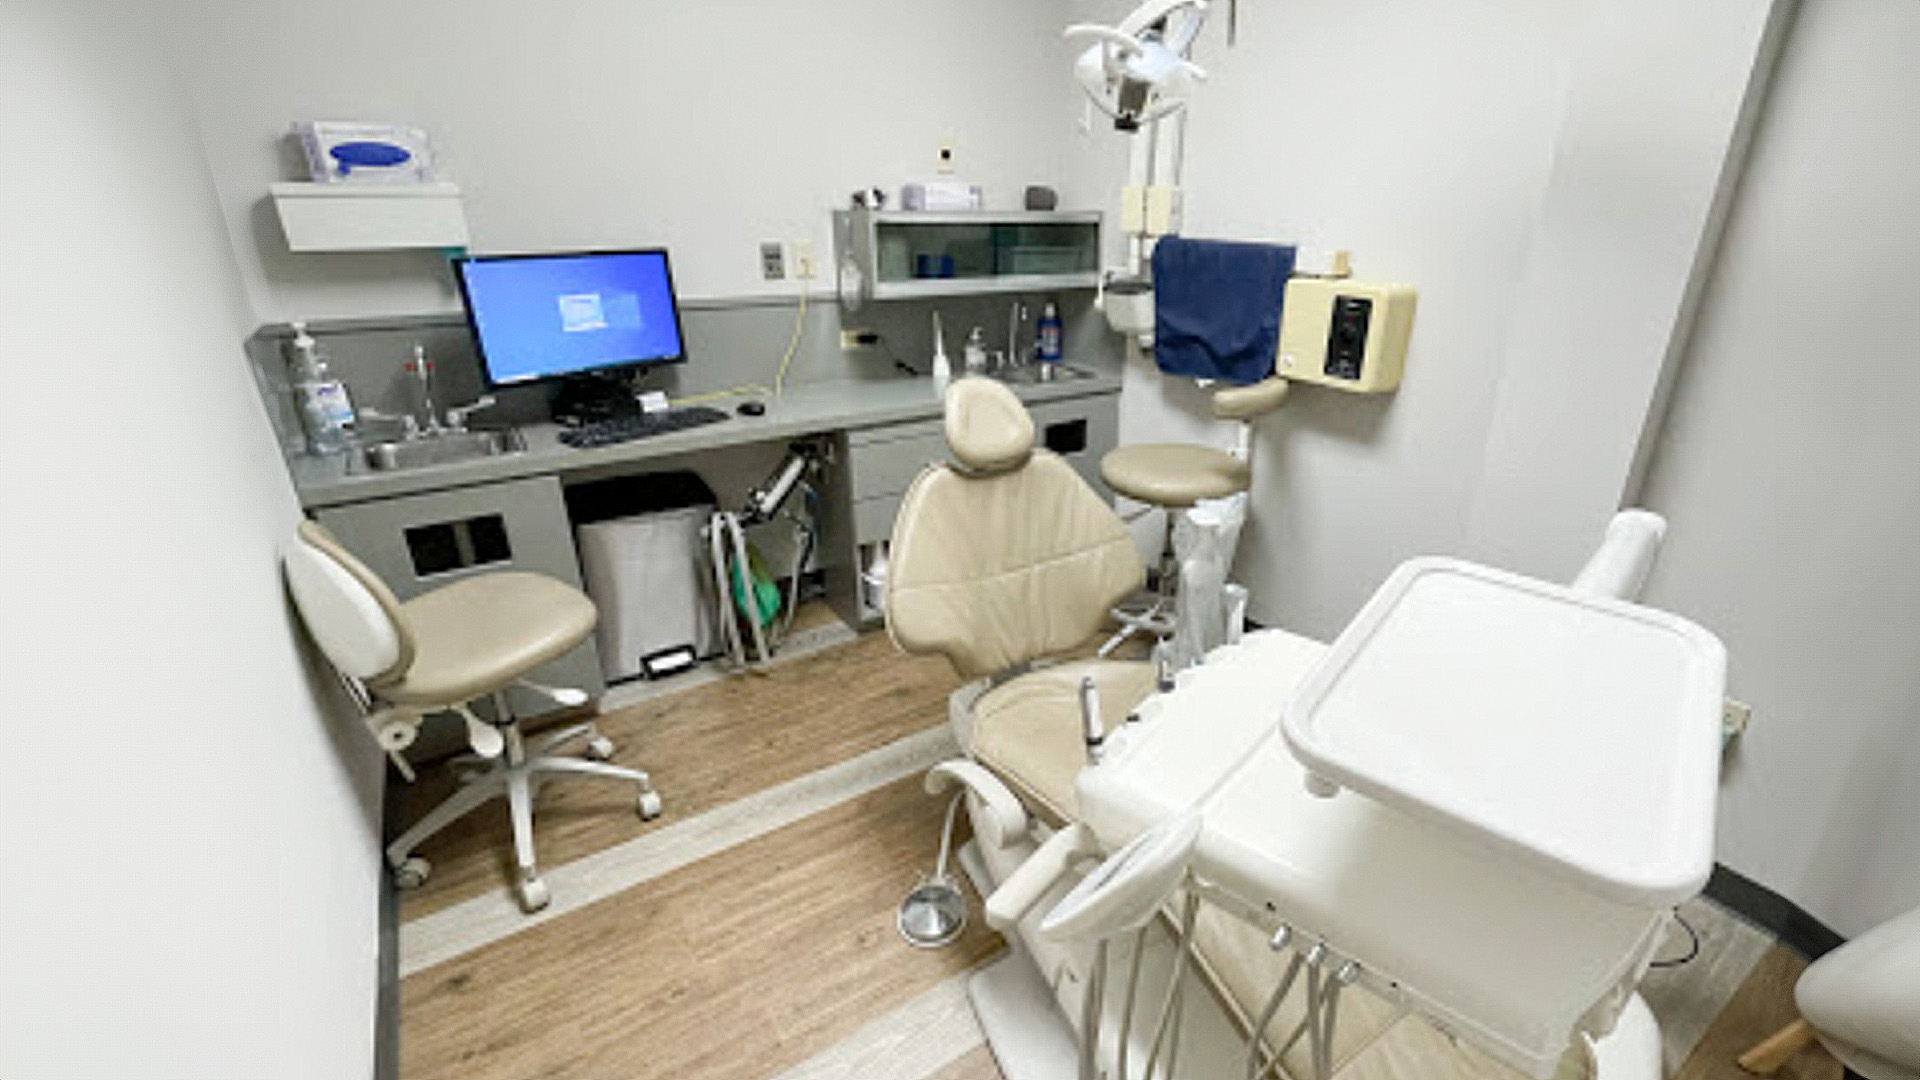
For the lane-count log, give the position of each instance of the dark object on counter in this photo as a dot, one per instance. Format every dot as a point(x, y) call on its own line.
point(619, 429)
point(933, 266)
point(752, 408)
point(1041, 197)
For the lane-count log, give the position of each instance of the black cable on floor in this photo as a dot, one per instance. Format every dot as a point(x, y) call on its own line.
point(1692, 952)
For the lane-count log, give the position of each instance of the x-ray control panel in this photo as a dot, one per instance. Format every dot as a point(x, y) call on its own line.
point(1347, 334)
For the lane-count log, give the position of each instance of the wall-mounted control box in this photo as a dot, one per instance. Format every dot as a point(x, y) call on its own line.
point(1344, 333)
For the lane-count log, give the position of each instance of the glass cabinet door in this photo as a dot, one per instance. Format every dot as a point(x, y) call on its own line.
point(926, 254)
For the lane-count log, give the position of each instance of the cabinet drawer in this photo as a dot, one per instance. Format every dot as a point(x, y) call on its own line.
point(873, 518)
point(889, 468)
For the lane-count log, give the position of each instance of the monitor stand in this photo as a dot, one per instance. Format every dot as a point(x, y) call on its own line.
point(585, 399)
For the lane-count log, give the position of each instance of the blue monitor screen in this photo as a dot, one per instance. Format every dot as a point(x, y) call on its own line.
point(544, 316)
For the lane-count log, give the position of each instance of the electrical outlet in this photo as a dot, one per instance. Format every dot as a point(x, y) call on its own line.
point(773, 261)
point(804, 266)
point(1734, 718)
point(858, 340)
point(943, 160)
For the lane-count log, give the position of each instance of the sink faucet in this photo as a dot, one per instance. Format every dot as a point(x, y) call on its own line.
point(429, 422)
point(422, 369)
point(1017, 355)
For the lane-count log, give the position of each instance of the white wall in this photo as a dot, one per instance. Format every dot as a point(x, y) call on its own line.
point(584, 123)
point(1421, 137)
point(1791, 472)
point(1550, 202)
point(1644, 170)
point(191, 841)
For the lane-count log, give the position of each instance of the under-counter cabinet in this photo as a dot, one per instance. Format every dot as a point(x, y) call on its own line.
point(417, 543)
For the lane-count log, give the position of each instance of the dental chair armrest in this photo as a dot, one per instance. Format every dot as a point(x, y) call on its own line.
point(1248, 402)
point(1000, 819)
point(1033, 879)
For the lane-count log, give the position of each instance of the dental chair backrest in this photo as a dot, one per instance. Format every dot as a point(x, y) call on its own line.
point(1005, 555)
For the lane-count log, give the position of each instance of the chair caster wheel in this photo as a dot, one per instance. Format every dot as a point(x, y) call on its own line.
point(532, 893)
point(412, 873)
point(600, 748)
point(650, 805)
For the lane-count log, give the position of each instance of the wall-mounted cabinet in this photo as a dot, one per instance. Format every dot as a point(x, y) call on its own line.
point(909, 255)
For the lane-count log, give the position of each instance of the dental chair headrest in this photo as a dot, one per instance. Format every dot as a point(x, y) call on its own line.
point(988, 429)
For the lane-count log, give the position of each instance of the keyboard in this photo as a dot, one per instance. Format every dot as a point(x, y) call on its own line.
point(633, 426)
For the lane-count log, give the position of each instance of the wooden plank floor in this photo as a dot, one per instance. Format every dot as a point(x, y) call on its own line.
point(1762, 1006)
point(734, 968)
point(753, 960)
point(705, 747)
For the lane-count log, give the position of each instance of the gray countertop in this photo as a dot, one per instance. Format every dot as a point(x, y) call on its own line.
point(810, 408)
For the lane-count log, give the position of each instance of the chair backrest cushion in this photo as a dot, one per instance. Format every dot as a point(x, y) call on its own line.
point(352, 615)
point(988, 430)
point(995, 571)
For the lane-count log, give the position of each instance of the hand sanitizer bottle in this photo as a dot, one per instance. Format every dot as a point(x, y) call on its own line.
point(326, 412)
point(975, 352)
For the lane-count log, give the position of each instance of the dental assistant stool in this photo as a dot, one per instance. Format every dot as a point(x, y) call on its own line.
point(440, 652)
point(1173, 476)
point(1861, 1001)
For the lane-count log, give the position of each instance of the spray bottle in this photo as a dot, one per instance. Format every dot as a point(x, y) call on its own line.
point(1050, 332)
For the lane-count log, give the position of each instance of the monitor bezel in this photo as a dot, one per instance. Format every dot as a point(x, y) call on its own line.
point(598, 371)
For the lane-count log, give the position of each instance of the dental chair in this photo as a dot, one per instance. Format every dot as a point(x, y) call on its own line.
point(1285, 892)
point(1171, 477)
point(1001, 560)
point(440, 652)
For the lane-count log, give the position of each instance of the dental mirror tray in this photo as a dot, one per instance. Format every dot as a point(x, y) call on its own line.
point(1578, 732)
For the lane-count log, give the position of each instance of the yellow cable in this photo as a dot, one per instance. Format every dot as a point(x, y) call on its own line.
point(780, 378)
point(799, 323)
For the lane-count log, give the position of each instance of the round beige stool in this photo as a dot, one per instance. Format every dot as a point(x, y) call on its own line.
point(1172, 477)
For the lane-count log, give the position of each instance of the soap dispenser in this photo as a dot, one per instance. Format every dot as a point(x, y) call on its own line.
point(326, 412)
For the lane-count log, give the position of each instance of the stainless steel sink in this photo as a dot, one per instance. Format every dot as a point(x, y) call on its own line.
point(446, 448)
point(1031, 374)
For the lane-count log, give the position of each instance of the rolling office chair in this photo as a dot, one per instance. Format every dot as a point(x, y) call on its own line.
point(441, 651)
point(1171, 477)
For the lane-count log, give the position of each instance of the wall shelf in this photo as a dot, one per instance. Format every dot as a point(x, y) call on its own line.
point(371, 217)
point(910, 255)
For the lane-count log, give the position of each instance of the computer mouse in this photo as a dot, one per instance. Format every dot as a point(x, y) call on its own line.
point(752, 408)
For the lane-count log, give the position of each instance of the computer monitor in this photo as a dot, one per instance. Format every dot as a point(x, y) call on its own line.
point(557, 316)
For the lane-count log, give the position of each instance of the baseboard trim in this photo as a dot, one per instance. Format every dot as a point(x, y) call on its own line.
point(1773, 913)
point(386, 1010)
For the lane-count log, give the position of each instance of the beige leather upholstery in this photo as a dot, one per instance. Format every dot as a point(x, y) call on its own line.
point(1247, 402)
point(478, 635)
point(1864, 1000)
point(472, 637)
point(1173, 474)
point(995, 571)
point(322, 541)
point(1027, 730)
point(987, 428)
